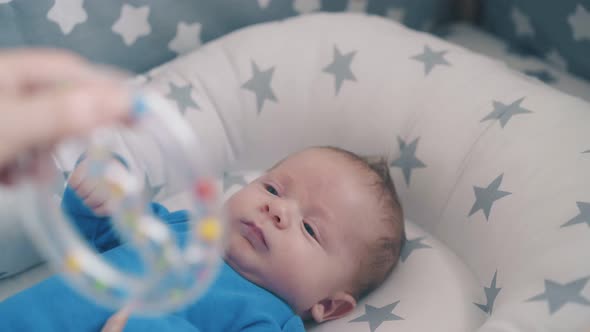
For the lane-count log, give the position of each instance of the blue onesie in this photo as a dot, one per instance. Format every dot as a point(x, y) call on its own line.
point(232, 303)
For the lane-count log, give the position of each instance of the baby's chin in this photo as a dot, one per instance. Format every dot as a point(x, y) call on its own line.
point(241, 258)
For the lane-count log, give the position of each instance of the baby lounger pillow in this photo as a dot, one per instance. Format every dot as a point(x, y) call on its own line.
point(491, 163)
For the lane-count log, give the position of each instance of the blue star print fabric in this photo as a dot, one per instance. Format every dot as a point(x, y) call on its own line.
point(557, 31)
point(138, 35)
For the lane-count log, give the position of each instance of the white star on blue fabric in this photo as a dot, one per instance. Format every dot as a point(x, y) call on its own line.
point(67, 14)
point(522, 23)
point(376, 316)
point(485, 197)
point(582, 217)
point(340, 68)
point(396, 14)
point(133, 23)
point(263, 3)
point(306, 6)
point(357, 6)
point(556, 59)
point(491, 294)
point(260, 84)
point(557, 295)
point(431, 58)
point(230, 180)
point(411, 245)
point(182, 97)
point(188, 37)
point(407, 159)
point(580, 23)
point(505, 112)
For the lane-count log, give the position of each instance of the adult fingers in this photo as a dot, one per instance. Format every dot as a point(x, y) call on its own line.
point(47, 117)
point(25, 69)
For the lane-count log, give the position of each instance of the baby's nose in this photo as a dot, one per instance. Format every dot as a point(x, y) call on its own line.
point(279, 214)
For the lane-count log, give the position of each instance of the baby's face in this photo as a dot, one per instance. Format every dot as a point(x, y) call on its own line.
point(298, 229)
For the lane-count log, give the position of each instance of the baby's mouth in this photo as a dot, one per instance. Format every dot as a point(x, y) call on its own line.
point(253, 234)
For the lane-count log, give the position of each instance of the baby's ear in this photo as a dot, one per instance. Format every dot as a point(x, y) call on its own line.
point(333, 307)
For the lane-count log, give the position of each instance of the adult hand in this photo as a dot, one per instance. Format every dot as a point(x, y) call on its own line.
point(47, 95)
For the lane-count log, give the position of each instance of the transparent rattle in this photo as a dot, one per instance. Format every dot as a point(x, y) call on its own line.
point(174, 270)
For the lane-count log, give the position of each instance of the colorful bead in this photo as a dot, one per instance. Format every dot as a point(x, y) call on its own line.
point(209, 229)
point(205, 190)
point(72, 264)
point(100, 286)
point(176, 294)
point(116, 189)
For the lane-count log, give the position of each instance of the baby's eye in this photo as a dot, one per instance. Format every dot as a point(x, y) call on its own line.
point(271, 189)
point(309, 229)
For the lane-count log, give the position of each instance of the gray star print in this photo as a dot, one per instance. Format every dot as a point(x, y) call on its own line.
point(150, 190)
point(505, 112)
point(182, 96)
point(231, 180)
point(431, 59)
point(412, 245)
point(582, 217)
point(340, 68)
point(557, 295)
point(260, 84)
point(376, 316)
point(587, 151)
point(407, 159)
point(491, 293)
point(485, 197)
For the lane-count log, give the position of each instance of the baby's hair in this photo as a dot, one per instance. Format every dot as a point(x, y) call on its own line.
point(382, 255)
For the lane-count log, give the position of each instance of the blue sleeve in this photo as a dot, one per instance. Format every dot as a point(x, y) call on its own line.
point(292, 325)
point(98, 231)
point(170, 323)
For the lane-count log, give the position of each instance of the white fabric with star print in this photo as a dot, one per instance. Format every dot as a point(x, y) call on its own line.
point(487, 161)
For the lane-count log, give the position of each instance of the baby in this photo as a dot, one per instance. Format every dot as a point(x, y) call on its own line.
point(315, 233)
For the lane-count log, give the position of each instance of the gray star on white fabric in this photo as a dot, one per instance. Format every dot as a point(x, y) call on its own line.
point(340, 68)
point(150, 190)
point(407, 159)
point(505, 112)
point(412, 245)
point(260, 84)
point(182, 96)
point(431, 58)
point(582, 217)
point(231, 180)
point(485, 197)
point(376, 316)
point(491, 293)
point(587, 151)
point(557, 295)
